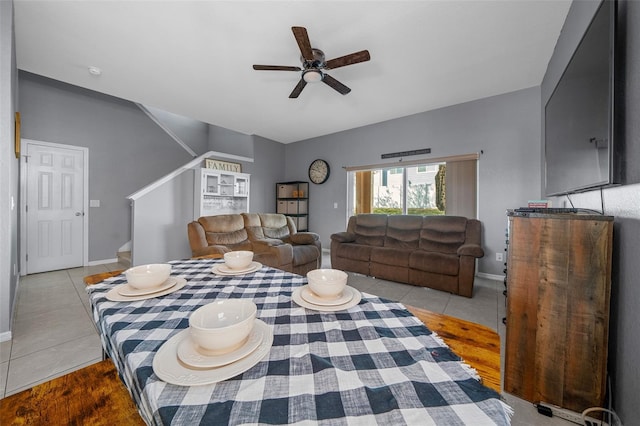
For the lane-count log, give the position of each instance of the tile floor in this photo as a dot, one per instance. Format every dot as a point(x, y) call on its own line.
point(53, 332)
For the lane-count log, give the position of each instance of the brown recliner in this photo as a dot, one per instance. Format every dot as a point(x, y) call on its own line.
point(223, 233)
point(306, 246)
point(439, 252)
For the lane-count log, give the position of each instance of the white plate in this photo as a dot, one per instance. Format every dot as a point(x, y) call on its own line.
point(309, 296)
point(188, 349)
point(115, 296)
point(224, 270)
point(356, 297)
point(170, 369)
point(223, 267)
point(127, 290)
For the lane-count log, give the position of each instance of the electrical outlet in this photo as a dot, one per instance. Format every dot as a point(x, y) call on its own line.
point(499, 257)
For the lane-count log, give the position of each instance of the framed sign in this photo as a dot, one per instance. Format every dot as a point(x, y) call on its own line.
point(224, 166)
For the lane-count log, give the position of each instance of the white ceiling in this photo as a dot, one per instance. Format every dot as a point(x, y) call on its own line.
point(194, 58)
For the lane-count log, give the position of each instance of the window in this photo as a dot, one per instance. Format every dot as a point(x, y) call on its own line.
point(436, 188)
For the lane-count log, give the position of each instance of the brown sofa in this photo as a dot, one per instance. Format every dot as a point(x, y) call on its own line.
point(430, 251)
point(273, 238)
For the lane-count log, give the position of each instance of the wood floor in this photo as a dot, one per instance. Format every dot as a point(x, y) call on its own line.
point(95, 395)
point(477, 345)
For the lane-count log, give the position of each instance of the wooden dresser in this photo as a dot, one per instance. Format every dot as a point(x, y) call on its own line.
point(558, 289)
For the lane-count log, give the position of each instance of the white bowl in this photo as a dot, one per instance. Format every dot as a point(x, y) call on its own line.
point(222, 326)
point(327, 283)
point(148, 276)
point(238, 259)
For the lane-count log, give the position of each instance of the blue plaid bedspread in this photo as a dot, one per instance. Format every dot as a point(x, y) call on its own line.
point(375, 363)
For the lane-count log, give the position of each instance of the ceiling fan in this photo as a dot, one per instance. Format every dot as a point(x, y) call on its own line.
point(313, 64)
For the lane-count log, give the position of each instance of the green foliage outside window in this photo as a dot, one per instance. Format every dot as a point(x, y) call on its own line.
point(441, 199)
point(417, 211)
point(418, 195)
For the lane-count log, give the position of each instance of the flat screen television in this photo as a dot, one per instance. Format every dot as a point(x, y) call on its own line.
point(579, 146)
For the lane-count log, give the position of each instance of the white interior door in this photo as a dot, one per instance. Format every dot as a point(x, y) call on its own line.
point(55, 206)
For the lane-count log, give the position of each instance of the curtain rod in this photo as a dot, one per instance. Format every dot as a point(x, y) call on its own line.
point(463, 157)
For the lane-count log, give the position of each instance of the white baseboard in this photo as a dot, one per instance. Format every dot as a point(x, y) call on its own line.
point(102, 262)
point(490, 276)
point(6, 336)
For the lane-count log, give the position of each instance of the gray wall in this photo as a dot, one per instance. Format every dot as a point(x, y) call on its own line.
point(9, 171)
point(192, 132)
point(126, 150)
point(267, 169)
point(506, 128)
point(230, 142)
point(621, 202)
point(164, 237)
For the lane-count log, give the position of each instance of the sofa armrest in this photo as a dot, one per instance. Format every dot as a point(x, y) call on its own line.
point(473, 250)
point(343, 237)
point(263, 244)
point(304, 238)
point(197, 237)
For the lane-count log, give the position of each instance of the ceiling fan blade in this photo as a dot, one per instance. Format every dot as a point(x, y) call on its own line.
point(298, 89)
point(335, 84)
point(300, 33)
point(275, 68)
point(353, 58)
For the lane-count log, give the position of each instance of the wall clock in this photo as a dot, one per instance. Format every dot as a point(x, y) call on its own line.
point(319, 171)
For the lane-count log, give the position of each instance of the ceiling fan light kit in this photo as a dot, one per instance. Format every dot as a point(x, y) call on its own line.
point(313, 62)
point(312, 75)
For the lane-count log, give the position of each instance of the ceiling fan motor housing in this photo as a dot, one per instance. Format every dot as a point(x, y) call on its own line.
point(317, 62)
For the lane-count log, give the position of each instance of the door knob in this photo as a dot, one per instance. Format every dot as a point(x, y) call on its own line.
point(79, 213)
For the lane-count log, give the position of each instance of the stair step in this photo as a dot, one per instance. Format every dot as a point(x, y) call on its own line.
point(124, 258)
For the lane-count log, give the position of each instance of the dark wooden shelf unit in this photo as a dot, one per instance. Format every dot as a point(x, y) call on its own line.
point(292, 199)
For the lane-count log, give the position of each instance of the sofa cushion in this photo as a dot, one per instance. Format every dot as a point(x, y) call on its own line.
point(370, 229)
point(434, 262)
point(253, 226)
point(443, 234)
point(403, 232)
point(224, 229)
point(354, 251)
point(274, 225)
point(391, 256)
